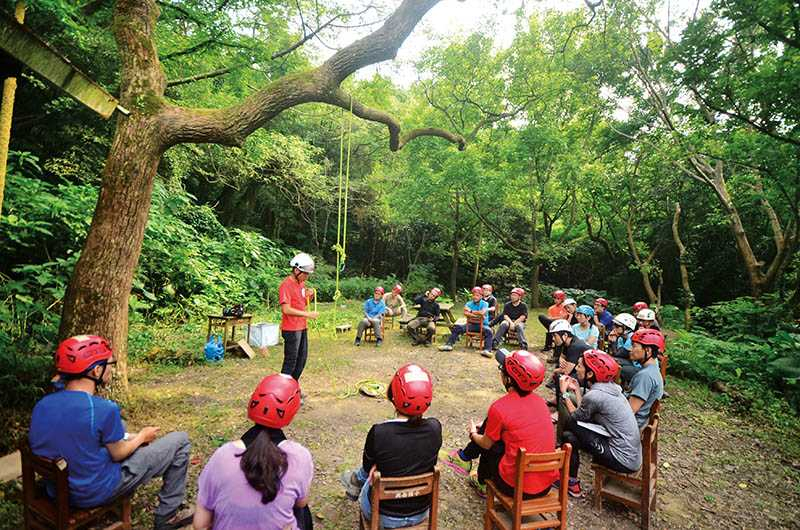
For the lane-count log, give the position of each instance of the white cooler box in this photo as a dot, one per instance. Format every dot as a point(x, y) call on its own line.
point(264, 334)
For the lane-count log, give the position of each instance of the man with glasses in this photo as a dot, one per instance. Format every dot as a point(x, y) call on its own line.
point(86, 430)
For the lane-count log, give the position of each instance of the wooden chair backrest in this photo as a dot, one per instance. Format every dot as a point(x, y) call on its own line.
point(663, 362)
point(541, 462)
point(601, 341)
point(474, 320)
point(405, 488)
point(52, 470)
point(650, 449)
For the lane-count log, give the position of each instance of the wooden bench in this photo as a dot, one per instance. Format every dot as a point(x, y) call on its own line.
point(343, 328)
point(42, 512)
point(635, 490)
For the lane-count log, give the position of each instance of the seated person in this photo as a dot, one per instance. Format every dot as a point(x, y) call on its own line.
point(513, 317)
point(602, 405)
point(374, 308)
point(87, 431)
point(490, 299)
point(554, 312)
point(602, 316)
point(646, 319)
point(571, 348)
point(646, 385)
point(401, 447)
point(585, 328)
point(395, 305)
point(571, 306)
point(518, 419)
point(619, 337)
point(427, 315)
point(261, 480)
point(477, 308)
point(638, 306)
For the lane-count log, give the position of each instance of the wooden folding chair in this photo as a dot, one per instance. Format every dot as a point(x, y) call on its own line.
point(369, 333)
point(42, 512)
point(402, 488)
point(514, 513)
point(474, 338)
point(635, 490)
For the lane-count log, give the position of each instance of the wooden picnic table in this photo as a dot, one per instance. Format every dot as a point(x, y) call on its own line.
point(446, 314)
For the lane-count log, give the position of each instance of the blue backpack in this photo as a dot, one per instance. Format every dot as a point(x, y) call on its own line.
point(214, 350)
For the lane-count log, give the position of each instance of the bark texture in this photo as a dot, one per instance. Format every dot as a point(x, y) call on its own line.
point(97, 297)
point(682, 258)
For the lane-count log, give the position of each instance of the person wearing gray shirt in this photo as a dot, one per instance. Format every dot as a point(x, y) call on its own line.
point(602, 423)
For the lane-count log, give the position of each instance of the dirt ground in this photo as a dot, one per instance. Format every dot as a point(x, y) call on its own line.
point(713, 472)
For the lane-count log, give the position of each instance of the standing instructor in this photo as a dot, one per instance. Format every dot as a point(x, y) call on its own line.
point(293, 297)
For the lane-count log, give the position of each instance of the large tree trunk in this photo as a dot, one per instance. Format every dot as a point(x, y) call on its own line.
point(537, 270)
point(97, 296)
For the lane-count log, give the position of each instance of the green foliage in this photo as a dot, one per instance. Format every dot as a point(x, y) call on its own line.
point(744, 316)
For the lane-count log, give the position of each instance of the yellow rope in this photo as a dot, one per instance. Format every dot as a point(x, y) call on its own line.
point(341, 215)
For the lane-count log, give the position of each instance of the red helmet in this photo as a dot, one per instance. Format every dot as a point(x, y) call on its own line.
point(275, 401)
point(526, 369)
point(380, 289)
point(397, 289)
point(78, 354)
point(601, 301)
point(477, 290)
point(436, 292)
point(638, 306)
point(412, 389)
point(487, 286)
point(604, 367)
point(649, 337)
point(519, 291)
point(559, 295)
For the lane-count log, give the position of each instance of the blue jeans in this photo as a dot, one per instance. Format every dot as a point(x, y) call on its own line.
point(459, 330)
point(387, 521)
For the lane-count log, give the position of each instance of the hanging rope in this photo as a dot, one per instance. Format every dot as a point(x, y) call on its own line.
point(341, 217)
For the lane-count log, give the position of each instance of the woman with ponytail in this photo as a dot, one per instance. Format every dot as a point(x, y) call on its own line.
point(262, 481)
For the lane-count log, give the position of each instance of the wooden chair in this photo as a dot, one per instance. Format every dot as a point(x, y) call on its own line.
point(474, 338)
point(42, 512)
point(511, 337)
point(369, 333)
point(601, 340)
point(635, 490)
point(514, 513)
point(663, 362)
point(384, 489)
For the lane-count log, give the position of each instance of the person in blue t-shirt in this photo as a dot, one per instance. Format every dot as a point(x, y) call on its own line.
point(474, 309)
point(585, 329)
point(104, 462)
point(602, 316)
point(647, 386)
point(374, 309)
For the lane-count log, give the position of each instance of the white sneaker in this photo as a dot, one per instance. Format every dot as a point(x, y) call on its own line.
point(486, 353)
point(445, 347)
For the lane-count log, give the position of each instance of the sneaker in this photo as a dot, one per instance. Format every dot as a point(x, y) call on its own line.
point(486, 353)
point(352, 486)
point(453, 461)
point(182, 518)
point(480, 489)
point(357, 342)
point(574, 487)
point(446, 347)
point(378, 343)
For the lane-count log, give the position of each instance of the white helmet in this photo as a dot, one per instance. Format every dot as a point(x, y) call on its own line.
point(304, 262)
point(625, 320)
point(646, 314)
point(557, 326)
point(570, 301)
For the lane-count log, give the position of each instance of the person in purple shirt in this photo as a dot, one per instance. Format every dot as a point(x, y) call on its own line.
point(105, 462)
point(261, 481)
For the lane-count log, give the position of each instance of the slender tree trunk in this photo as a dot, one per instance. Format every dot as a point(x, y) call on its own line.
point(682, 259)
point(535, 273)
point(642, 265)
point(477, 269)
point(455, 246)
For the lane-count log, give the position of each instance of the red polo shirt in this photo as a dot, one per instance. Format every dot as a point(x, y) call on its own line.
point(293, 293)
point(522, 422)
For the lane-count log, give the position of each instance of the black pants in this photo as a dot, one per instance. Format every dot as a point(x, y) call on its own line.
point(594, 444)
point(295, 352)
point(304, 519)
point(489, 465)
point(548, 340)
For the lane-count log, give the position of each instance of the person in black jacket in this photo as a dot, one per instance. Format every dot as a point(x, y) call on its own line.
point(403, 446)
point(513, 317)
point(422, 328)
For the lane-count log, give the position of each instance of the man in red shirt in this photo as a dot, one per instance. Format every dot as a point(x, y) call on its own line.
point(518, 419)
point(293, 298)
